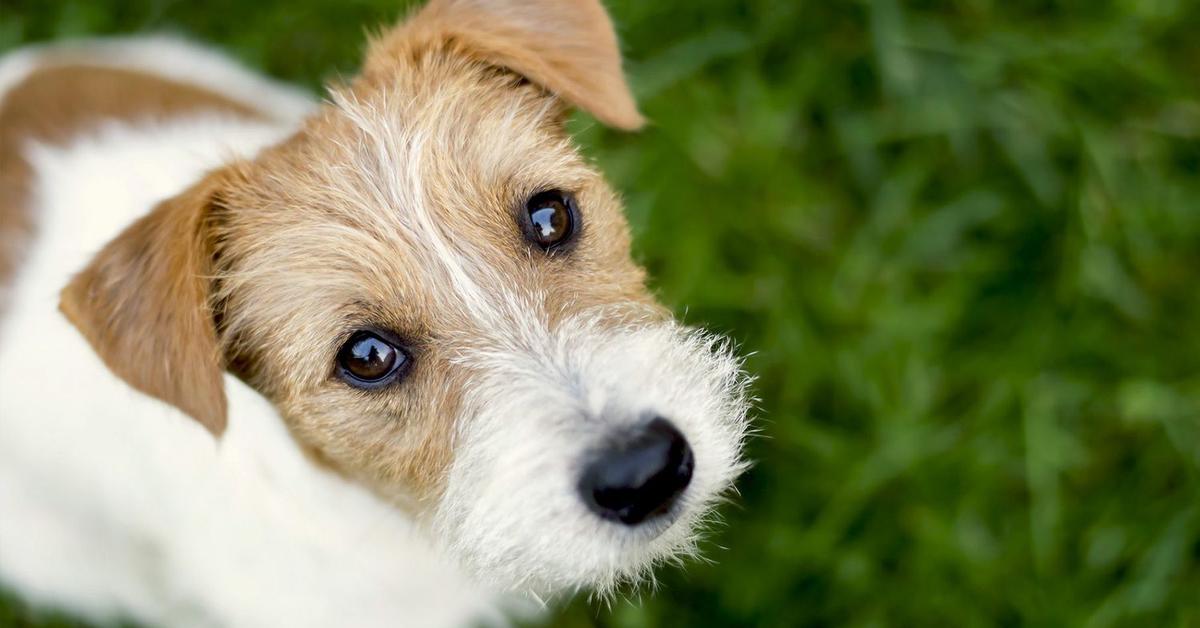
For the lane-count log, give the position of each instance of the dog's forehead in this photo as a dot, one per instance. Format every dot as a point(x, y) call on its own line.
point(400, 206)
point(432, 187)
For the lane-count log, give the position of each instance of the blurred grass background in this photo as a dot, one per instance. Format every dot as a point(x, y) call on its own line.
point(962, 239)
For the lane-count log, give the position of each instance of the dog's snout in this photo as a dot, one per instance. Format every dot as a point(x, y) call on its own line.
point(640, 477)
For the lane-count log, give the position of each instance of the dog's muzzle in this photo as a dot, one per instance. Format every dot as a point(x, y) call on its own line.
point(639, 476)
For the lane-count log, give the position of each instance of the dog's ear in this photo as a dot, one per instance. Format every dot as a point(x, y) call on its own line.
point(566, 46)
point(143, 305)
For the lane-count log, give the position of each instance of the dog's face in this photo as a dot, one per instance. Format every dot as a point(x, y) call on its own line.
point(437, 293)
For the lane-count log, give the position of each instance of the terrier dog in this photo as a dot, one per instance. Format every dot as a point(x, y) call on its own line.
point(410, 313)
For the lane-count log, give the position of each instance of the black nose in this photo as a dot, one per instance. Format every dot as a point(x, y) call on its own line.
point(641, 476)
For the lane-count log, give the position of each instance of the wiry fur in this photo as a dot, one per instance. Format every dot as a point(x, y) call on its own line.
point(543, 398)
point(394, 205)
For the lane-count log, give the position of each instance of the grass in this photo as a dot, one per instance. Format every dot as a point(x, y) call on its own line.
point(961, 239)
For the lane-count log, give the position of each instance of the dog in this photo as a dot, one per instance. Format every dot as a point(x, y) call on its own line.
point(380, 360)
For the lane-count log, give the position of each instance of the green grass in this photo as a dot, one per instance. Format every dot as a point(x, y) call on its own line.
point(961, 239)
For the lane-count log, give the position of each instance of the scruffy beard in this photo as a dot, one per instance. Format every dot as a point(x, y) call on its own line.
point(542, 401)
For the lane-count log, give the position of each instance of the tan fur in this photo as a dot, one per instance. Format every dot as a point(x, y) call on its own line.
point(395, 206)
point(62, 99)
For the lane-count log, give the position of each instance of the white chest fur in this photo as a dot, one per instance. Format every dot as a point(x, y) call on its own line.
point(112, 502)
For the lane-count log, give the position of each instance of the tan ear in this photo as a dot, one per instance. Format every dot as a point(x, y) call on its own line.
point(566, 46)
point(142, 303)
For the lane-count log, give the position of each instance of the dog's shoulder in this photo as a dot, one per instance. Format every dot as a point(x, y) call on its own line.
point(52, 92)
point(56, 93)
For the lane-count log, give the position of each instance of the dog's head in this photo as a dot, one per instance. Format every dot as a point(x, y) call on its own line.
point(437, 293)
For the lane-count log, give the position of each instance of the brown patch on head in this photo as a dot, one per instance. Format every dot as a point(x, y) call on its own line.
point(62, 99)
point(399, 207)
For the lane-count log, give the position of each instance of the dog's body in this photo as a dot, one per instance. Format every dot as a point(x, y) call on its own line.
point(331, 500)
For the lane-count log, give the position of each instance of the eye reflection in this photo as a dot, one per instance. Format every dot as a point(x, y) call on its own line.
point(551, 218)
point(367, 358)
point(549, 221)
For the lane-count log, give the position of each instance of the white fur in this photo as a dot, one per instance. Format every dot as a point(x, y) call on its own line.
point(545, 399)
point(112, 503)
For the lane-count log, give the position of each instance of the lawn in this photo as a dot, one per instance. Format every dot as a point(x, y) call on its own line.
point(960, 240)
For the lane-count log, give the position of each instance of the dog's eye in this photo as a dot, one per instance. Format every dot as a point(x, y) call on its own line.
point(552, 217)
point(367, 360)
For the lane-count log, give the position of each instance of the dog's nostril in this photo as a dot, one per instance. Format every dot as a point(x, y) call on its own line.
point(640, 477)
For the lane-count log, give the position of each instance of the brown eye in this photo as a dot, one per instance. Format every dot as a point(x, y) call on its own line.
point(367, 360)
point(552, 218)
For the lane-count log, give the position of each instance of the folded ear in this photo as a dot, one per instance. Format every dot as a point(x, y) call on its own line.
point(566, 46)
point(143, 305)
